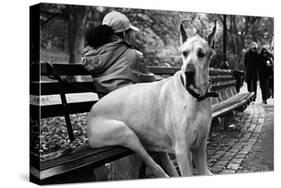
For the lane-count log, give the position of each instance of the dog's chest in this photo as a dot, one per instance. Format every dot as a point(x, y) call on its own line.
point(201, 115)
point(198, 125)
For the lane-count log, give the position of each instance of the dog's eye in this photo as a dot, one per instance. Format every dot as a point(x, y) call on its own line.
point(184, 54)
point(201, 54)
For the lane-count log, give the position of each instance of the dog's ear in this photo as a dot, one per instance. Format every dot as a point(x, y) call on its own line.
point(212, 34)
point(182, 32)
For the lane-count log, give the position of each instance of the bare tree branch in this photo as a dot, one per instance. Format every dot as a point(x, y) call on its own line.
point(220, 18)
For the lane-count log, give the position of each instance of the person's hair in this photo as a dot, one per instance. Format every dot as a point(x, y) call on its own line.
point(121, 35)
point(264, 50)
point(98, 36)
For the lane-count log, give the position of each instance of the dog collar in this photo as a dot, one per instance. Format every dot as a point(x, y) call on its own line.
point(198, 96)
point(201, 97)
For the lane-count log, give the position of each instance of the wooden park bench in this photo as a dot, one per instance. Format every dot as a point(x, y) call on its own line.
point(84, 163)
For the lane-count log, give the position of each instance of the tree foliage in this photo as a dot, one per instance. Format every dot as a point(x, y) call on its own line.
point(62, 28)
point(241, 31)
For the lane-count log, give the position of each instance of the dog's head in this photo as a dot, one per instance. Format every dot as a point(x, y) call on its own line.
point(196, 53)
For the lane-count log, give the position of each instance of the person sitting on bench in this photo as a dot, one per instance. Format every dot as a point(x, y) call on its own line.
point(111, 58)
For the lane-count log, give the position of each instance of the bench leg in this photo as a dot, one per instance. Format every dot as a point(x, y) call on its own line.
point(214, 124)
point(100, 173)
point(126, 168)
point(219, 124)
point(142, 171)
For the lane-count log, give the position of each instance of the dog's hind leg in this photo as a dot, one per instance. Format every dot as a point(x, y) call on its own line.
point(133, 142)
point(167, 164)
point(106, 132)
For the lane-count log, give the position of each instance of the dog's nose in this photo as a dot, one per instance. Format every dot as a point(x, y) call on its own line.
point(190, 68)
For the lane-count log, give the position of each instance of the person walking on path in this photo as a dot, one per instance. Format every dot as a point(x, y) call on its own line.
point(110, 56)
point(251, 62)
point(265, 73)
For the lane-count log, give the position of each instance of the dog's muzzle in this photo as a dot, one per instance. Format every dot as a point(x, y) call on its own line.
point(190, 77)
point(190, 67)
point(190, 74)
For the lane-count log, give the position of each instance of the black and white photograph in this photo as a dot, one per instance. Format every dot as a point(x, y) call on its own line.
point(119, 93)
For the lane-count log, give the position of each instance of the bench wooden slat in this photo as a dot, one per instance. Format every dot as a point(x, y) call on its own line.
point(64, 69)
point(231, 104)
point(221, 78)
point(57, 109)
point(73, 155)
point(54, 87)
point(162, 70)
point(220, 85)
point(78, 69)
point(229, 101)
point(220, 72)
point(82, 157)
point(173, 70)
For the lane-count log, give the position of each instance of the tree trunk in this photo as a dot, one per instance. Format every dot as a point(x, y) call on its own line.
point(224, 39)
point(76, 25)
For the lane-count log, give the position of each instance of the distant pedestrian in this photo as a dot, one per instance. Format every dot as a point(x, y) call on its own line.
point(265, 73)
point(251, 61)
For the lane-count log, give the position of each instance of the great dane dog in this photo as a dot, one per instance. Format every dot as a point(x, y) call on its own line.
point(168, 116)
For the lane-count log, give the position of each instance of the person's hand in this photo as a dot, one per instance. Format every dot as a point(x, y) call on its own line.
point(268, 63)
point(139, 54)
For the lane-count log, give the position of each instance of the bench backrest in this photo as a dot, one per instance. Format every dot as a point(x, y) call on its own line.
point(223, 82)
point(54, 87)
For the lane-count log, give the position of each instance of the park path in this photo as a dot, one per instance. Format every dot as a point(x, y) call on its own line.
point(261, 157)
point(248, 145)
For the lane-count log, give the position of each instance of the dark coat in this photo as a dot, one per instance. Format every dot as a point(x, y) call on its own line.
point(251, 61)
point(265, 64)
